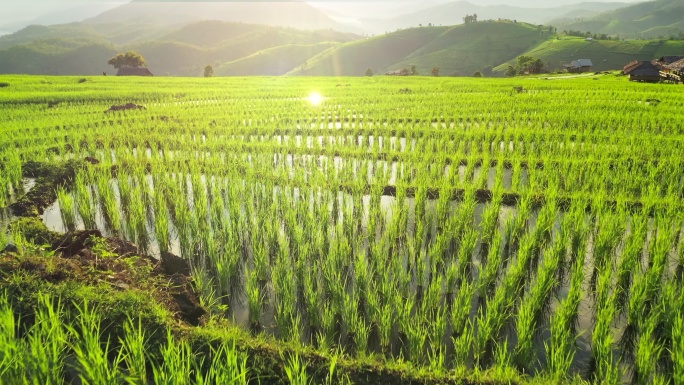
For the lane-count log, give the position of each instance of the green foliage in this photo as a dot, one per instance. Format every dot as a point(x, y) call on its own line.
point(33, 230)
point(128, 59)
point(529, 65)
point(511, 71)
point(208, 71)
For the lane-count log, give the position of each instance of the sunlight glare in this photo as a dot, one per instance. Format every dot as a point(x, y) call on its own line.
point(315, 98)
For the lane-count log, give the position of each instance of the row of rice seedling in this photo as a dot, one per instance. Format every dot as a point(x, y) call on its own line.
point(461, 226)
point(53, 348)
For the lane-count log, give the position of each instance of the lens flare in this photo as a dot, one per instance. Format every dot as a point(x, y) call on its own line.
point(315, 98)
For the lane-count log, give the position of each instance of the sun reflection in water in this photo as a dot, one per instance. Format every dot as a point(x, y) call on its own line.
point(315, 98)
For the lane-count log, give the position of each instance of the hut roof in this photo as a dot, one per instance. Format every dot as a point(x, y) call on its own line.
point(581, 63)
point(677, 66)
point(646, 71)
point(641, 66)
point(665, 60)
point(133, 71)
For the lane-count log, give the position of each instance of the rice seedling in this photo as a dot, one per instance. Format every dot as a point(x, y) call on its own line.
point(377, 226)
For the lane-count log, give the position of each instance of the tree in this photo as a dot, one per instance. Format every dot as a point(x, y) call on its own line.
point(488, 71)
point(369, 72)
point(529, 64)
point(435, 71)
point(128, 59)
point(414, 70)
point(477, 74)
point(209, 72)
point(510, 71)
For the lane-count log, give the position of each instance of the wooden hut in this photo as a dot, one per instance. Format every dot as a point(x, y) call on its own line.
point(580, 66)
point(134, 71)
point(642, 71)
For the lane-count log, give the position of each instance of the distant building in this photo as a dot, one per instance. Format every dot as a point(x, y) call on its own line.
point(667, 60)
point(579, 66)
point(676, 67)
point(401, 72)
point(133, 71)
point(642, 71)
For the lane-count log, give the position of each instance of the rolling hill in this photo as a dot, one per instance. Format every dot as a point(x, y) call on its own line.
point(661, 18)
point(604, 54)
point(296, 14)
point(452, 13)
point(84, 49)
point(457, 50)
point(273, 61)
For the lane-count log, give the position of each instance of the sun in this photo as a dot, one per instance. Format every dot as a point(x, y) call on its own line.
point(315, 98)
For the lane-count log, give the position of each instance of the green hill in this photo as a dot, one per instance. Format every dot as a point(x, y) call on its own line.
point(378, 52)
point(661, 18)
point(604, 54)
point(84, 49)
point(273, 61)
point(460, 49)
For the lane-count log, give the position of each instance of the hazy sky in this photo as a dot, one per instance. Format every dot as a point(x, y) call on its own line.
point(13, 11)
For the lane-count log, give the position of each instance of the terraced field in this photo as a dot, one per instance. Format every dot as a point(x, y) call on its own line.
point(522, 226)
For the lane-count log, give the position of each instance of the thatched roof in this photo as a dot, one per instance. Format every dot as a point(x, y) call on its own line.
point(134, 71)
point(665, 60)
point(677, 66)
point(639, 68)
point(642, 72)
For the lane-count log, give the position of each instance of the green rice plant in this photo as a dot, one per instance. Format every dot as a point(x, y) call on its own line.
point(133, 347)
point(648, 350)
point(108, 204)
point(417, 339)
point(84, 201)
point(227, 366)
point(296, 370)
point(463, 345)
point(13, 352)
point(93, 362)
point(561, 348)
point(161, 222)
point(254, 300)
point(175, 366)
point(604, 367)
point(46, 343)
point(677, 350)
point(492, 269)
point(67, 208)
point(329, 336)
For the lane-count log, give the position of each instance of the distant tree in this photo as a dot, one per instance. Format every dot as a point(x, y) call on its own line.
point(369, 72)
point(487, 71)
point(477, 74)
point(529, 64)
point(208, 71)
point(435, 71)
point(510, 71)
point(128, 59)
point(414, 70)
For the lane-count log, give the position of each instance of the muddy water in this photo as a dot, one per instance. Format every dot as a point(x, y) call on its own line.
point(5, 213)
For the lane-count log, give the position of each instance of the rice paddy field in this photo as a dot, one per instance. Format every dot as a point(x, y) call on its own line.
point(525, 228)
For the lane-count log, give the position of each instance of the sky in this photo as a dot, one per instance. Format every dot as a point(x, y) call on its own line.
point(15, 12)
